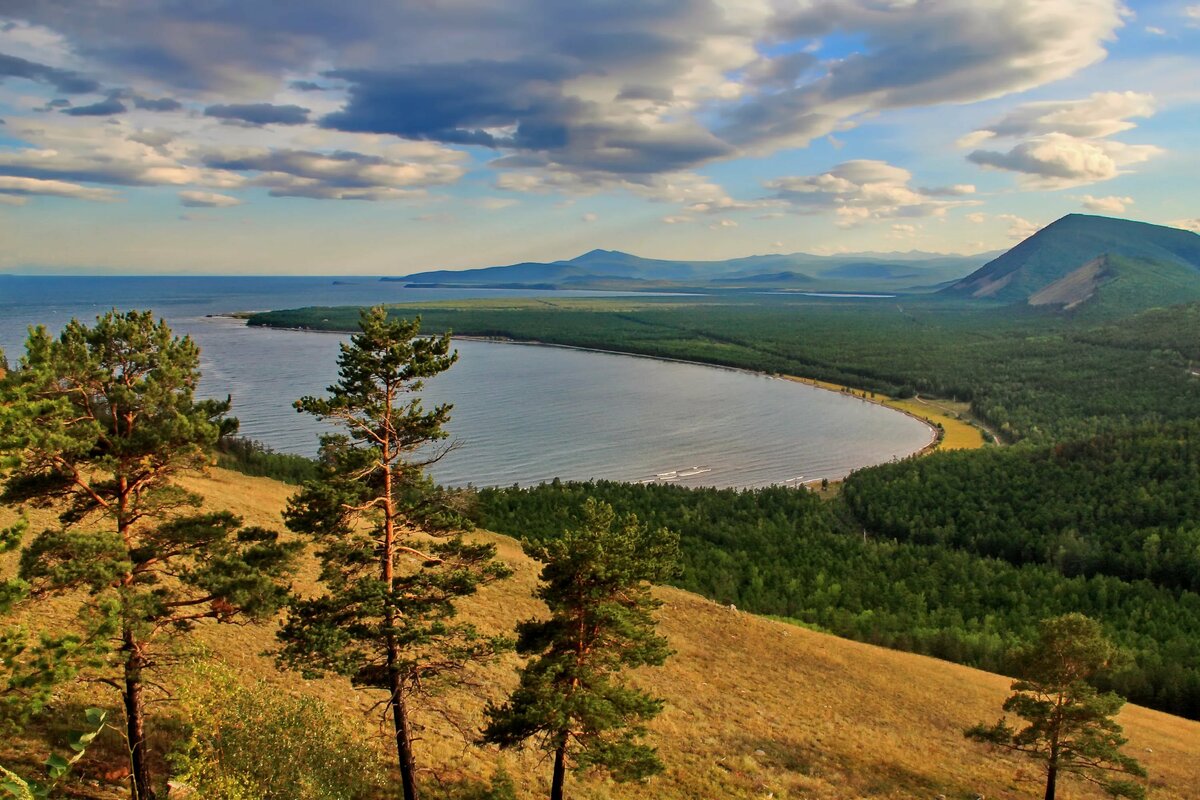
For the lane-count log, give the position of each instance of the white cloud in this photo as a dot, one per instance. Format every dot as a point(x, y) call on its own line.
point(1106, 205)
point(723, 224)
point(589, 217)
point(676, 220)
point(1064, 143)
point(1154, 30)
point(494, 203)
point(1018, 227)
point(20, 188)
point(207, 200)
point(1187, 224)
point(862, 190)
point(1058, 161)
point(1099, 115)
point(976, 218)
point(101, 153)
point(1192, 15)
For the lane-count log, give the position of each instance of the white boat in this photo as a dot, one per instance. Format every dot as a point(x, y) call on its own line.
point(690, 471)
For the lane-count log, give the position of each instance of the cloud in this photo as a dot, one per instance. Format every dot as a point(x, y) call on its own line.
point(1192, 15)
point(104, 108)
point(63, 80)
point(1018, 227)
point(520, 107)
point(1099, 115)
point(1065, 141)
point(157, 104)
point(922, 53)
point(1187, 224)
point(494, 203)
point(339, 175)
point(207, 200)
point(1057, 160)
point(107, 153)
point(589, 217)
point(976, 217)
point(1154, 30)
point(16, 187)
point(955, 190)
point(676, 219)
point(613, 95)
point(259, 113)
point(723, 224)
point(862, 190)
point(1107, 205)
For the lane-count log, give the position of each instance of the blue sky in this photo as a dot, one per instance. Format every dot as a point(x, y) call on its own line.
point(373, 136)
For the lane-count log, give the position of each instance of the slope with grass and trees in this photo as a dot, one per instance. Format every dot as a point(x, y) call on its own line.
point(99, 425)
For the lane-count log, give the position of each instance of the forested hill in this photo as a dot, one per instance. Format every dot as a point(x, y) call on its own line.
point(1078, 254)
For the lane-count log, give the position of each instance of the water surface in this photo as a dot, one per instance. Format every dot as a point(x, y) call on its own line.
point(522, 414)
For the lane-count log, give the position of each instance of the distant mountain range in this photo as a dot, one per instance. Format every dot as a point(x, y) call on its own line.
point(1094, 261)
point(611, 269)
point(1079, 261)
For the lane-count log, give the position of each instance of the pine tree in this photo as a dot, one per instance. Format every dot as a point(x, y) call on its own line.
point(1070, 724)
point(390, 568)
point(571, 696)
point(97, 425)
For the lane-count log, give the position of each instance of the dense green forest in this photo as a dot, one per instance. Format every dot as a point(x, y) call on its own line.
point(1030, 375)
point(1125, 504)
point(787, 553)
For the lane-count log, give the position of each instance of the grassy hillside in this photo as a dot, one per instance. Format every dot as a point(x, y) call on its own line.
point(755, 708)
point(1154, 256)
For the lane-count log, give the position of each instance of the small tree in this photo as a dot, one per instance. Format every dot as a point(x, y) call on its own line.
point(390, 568)
point(1071, 725)
point(98, 424)
point(571, 697)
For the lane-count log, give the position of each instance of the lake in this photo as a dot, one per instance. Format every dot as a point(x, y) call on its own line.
point(522, 414)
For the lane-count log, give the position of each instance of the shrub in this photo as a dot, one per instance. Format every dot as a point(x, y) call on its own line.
point(259, 743)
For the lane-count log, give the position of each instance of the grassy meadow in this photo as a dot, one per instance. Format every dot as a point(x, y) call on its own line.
point(754, 707)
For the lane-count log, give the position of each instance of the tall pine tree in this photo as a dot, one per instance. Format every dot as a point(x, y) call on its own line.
point(571, 698)
point(1070, 724)
point(391, 567)
point(98, 424)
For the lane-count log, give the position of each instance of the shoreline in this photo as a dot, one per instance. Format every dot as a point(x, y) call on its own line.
point(937, 425)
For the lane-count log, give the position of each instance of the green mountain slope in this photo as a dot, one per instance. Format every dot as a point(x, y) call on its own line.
point(1062, 265)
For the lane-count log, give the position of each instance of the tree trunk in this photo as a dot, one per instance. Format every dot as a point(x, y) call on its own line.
point(135, 723)
point(1051, 779)
point(408, 778)
point(560, 771)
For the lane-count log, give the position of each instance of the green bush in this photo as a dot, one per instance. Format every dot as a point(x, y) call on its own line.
point(259, 743)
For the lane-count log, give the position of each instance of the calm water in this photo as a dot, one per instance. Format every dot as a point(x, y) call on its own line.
point(522, 414)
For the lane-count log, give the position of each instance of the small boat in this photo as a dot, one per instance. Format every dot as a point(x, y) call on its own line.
point(690, 471)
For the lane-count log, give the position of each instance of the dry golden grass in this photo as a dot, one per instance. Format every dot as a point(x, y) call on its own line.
point(755, 708)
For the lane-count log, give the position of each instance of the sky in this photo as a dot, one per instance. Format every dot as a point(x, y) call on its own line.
point(393, 136)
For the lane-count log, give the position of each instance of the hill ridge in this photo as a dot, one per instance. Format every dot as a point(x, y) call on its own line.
point(1075, 241)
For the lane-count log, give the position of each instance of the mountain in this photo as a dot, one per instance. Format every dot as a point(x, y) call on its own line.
point(1083, 259)
point(615, 269)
